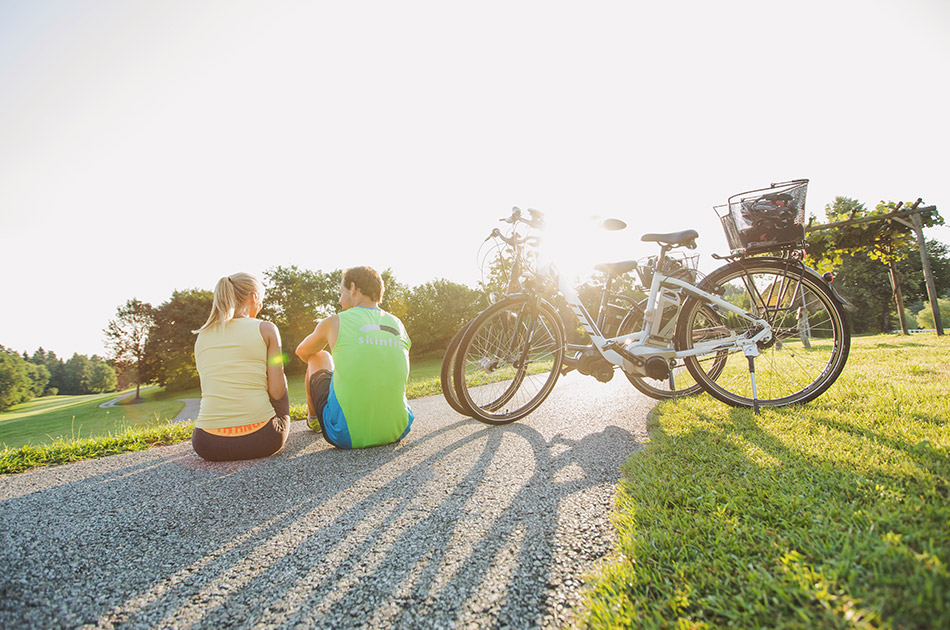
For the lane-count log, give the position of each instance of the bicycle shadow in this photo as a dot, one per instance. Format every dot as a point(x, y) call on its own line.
point(460, 523)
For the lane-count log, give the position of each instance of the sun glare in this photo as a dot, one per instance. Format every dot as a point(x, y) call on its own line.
point(576, 244)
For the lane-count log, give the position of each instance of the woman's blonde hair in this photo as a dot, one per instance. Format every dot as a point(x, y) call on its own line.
point(230, 292)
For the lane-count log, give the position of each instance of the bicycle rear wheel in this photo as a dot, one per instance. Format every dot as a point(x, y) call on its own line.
point(448, 370)
point(509, 359)
point(811, 334)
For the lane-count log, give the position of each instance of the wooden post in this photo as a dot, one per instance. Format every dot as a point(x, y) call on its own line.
point(928, 272)
point(898, 296)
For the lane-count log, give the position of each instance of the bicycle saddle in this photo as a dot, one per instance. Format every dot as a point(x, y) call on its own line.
point(676, 239)
point(617, 268)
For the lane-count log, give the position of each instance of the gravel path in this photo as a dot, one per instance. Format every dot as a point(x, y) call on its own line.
point(112, 403)
point(462, 525)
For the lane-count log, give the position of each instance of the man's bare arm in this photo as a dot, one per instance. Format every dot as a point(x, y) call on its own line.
point(323, 336)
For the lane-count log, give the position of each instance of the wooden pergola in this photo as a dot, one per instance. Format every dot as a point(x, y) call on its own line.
point(910, 218)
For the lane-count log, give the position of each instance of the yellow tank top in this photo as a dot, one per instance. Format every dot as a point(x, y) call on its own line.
point(232, 366)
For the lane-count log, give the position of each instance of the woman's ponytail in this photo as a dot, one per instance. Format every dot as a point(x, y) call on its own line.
point(229, 293)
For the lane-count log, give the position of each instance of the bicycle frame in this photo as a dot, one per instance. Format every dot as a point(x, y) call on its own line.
point(631, 351)
point(636, 345)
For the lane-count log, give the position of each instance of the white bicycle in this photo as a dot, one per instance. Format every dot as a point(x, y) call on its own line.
point(760, 330)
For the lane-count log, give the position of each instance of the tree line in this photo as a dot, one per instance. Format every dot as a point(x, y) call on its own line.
point(24, 377)
point(157, 344)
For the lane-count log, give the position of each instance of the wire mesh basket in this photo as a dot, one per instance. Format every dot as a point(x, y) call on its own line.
point(680, 265)
point(765, 219)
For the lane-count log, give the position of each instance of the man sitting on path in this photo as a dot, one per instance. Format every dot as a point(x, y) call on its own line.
point(357, 396)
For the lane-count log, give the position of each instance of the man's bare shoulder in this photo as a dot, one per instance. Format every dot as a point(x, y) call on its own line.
point(332, 320)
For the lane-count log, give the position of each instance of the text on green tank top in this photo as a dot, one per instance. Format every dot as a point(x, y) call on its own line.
point(371, 365)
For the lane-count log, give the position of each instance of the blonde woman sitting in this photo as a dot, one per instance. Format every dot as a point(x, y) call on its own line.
point(245, 411)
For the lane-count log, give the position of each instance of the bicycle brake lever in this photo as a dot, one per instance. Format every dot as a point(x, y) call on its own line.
point(515, 216)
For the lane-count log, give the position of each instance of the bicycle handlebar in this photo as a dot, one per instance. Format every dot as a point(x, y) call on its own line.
point(514, 239)
point(536, 219)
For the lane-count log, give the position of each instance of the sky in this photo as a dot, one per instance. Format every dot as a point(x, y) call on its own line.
point(154, 146)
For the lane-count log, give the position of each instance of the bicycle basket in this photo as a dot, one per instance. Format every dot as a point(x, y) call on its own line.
point(683, 266)
point(765, 219)
point(677, 264)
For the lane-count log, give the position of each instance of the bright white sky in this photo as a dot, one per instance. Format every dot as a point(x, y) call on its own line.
point(158, 145)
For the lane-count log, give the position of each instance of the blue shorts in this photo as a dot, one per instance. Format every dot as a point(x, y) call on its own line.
point(330, 415)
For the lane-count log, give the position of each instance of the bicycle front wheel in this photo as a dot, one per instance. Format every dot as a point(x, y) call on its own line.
point(448, 369)
point(811, 336)
point(509, 359)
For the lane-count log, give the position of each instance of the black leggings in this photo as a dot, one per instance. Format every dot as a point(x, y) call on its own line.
point(264, 442)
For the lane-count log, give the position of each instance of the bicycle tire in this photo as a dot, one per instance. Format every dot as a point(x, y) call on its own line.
point(448, 370)
point(683, 382)
point(509, 359)
point(811, 333)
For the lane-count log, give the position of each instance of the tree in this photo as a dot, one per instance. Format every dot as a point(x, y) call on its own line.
point(395, 296)
point(26, 377)
point(126, 336)
point(925, 318)
point(76, 373)
point(100, 377)
point(864, 283)
point(55, 367)
point(910, 269)
point(14, 380)
point(295, 299)
point(39, 378)
point(435, 312)
point(911, 319)
point(170, 350)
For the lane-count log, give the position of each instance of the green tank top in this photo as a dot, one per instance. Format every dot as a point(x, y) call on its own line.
point(367, 404)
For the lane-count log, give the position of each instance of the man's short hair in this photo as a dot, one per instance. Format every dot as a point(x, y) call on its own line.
point(367, 280)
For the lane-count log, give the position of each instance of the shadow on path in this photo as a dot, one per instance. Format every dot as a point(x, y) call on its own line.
point(461, 524)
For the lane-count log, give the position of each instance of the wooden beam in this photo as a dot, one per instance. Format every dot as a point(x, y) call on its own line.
point(893, 215)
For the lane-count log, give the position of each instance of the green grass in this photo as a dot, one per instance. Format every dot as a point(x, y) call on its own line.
point(59, 429)
point(55, 418)
point(64, 451)
point(54, 403)
point(45, 420)
point(834, 514)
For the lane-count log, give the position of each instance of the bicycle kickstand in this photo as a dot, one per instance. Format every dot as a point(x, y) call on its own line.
point(751, 351)
point(673, 395)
